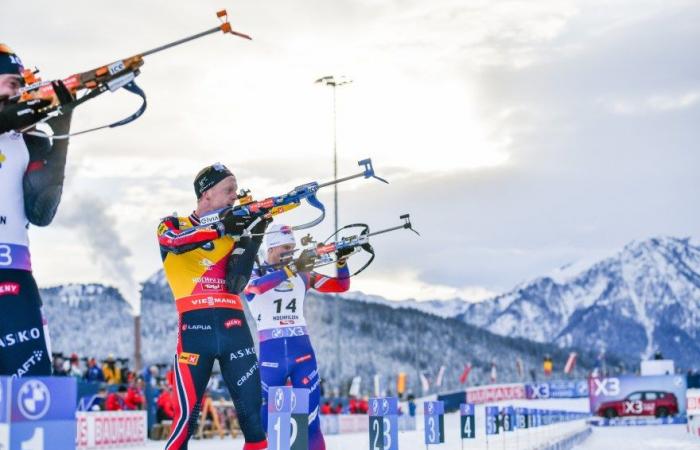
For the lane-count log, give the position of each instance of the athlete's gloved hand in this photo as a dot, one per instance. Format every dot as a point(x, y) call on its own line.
point(62, 92)
point(259, 229)
point(304, 263)
point(343, 253)
point(235, 225)
point(16, 116)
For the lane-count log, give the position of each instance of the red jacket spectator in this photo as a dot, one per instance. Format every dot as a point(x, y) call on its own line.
point(363, 406)
point(134, 399)
point(115, 402)
point(165, 404)
point(352, 406)
point(326, 408)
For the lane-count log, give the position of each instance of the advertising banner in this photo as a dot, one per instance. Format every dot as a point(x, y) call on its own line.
point(693, 405)
point(110, 429)
point(557, 389)
point(37, 413)
point(495, 393)
point(633, 396)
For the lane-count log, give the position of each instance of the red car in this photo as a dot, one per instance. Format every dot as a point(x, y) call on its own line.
point(641, 403)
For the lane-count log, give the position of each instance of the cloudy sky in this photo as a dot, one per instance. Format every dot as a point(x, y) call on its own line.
point(521, 135)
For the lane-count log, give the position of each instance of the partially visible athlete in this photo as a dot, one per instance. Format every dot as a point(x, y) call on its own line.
point(31, 182)
point(206, 269)
point(276, 301)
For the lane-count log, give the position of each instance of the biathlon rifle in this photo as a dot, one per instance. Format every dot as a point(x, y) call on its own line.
point(324, 253)
point(272, 206)
point(85, 86)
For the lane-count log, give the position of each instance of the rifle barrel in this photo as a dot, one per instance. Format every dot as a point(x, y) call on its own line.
point(180, 41)
point(340, 180)
point(398, 227)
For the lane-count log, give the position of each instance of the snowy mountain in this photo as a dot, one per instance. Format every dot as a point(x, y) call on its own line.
point(90, 319)
point(645, 298)
point(375, 338)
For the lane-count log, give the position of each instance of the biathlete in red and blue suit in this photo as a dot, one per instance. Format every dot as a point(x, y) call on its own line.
point(206, 269)
point(276, 301)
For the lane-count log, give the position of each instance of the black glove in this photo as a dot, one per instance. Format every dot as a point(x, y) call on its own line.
point(344, 253)
point(235, 225)
point(62, 93)
point(16, 116)
point(304, 263)
point(259, 229)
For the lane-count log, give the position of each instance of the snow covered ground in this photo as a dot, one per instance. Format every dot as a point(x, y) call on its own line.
point(660, 437)
point(667, 437)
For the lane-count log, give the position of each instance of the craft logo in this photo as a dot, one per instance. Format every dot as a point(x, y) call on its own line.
point(247, 375)
point(33, 399)
point(28, 364)
point(375, 407)
point(294, 400)
point(431, 408)
point(385, 406)
point(189, 358)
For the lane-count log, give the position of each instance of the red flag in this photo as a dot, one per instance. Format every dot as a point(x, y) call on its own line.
point(570, 363)
point(465, 373)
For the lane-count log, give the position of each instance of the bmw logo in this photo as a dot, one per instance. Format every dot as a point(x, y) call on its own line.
point(33, 399)
point(279, 399)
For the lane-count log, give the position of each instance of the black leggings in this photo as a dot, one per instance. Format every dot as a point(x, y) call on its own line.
point(203, 336)
point(23, 349)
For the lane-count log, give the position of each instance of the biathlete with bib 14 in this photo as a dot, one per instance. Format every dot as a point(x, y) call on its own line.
point(276, 301)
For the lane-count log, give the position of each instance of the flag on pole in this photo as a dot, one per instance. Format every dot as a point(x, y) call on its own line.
point(438, 379)
point(493, 372)
point(548, 365)
point(570, 363)
point(519, 367)
point(425, 384)
point(401, 383)
point(355, 387)
point(465, 373)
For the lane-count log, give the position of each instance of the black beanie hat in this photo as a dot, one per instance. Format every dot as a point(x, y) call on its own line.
point(209, 176)
point(9, 62)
